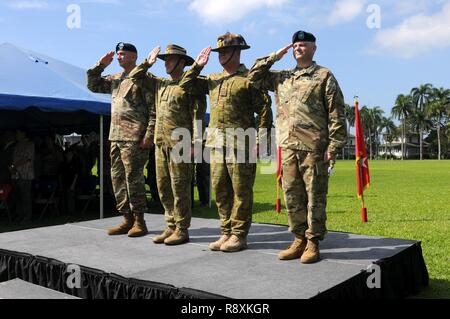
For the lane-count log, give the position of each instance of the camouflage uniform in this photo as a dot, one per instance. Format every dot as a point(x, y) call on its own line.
point(132, 118)
point(310, 121)
point(174, 109)
point(233, 103)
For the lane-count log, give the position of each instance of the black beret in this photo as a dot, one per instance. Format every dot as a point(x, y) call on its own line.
point(121, 46)
point(303, 36)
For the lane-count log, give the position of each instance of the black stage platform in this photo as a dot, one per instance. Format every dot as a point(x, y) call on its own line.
point(19, 289)
point(122, 267)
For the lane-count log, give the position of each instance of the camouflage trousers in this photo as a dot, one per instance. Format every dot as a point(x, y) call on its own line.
point(127, 175)
point(174, 187)
point(233, 185)
point(305, 185)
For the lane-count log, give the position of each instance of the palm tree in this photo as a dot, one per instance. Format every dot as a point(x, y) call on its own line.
point(421, 96)
point(401, 109)
point(350, 117)
point(438, 111)
point(420, 123)
point(365, 122)
point(371, 118)
point(388, 125)
point(375, 119)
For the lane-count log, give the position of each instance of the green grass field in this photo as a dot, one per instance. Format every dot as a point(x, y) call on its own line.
point(406, 199)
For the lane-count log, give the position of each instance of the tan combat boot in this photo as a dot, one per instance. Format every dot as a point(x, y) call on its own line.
point(139, 228)
point(166, 233)
point(179, 236)
point(216, 245)
point(311, 254)
point(234, 243)
point(123, 228)
point(294, 251)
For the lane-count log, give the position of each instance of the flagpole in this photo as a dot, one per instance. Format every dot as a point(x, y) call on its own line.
point(363, 208)
point(361, 179)
point(278, 203)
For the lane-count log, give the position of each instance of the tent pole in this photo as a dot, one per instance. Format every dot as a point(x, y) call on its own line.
point(101, 167)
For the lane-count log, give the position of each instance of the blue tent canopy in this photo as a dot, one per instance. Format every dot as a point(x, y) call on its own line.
point(30, 79)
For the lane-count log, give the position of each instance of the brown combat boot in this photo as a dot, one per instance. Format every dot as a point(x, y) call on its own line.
point(139, 228)
point(233, 244)
point(294, 251)
point(123, 228)
point(166, 233)
point(311, 254)
point(215, 246)
point(179, 236)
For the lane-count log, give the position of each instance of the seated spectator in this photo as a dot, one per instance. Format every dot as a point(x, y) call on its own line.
point(51, 158)
point(22, 174)
point(7, 143)
point(69, 172)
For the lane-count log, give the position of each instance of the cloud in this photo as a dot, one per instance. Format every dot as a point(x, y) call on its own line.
point(345, 11)
point(28, 5)
point(114, 2)
point(405, 7)
point(415, 35)
point(226, 11)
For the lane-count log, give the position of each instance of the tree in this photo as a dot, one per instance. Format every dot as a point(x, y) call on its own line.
point(375, 118)
point(421, 96)
point(387, 124)
point(420, 123)
point(371, 118)
point(364, 117)
point(439, 112)
point(350, 117)
point(402, 108)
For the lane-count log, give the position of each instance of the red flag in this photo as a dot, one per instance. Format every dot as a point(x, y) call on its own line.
point(362, 161)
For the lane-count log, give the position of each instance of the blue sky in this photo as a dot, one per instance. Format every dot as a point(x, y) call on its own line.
point(407, 44)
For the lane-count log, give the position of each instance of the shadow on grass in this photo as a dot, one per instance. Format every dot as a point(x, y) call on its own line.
point(437, 289)
point(414, 220)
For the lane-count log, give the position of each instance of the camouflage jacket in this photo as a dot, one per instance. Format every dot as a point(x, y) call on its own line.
point(233, 103)
point(132, 108)
point(310, 106)
point(175, 108)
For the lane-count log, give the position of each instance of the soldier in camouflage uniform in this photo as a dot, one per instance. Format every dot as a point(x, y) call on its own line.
point(131, 134)
point(175, 109)
point(233, 102)
point(311, 128)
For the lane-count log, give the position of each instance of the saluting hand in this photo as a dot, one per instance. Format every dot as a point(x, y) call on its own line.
point(153, 55)
point(283, 51)
point(203, 57)
point(107, 58)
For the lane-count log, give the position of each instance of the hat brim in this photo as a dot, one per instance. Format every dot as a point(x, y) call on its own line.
point(242, 47)
point(187, 58)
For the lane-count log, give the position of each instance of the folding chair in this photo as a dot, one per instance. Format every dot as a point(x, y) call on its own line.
point(87, 188)
point(45, 194)
point(5, 190)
